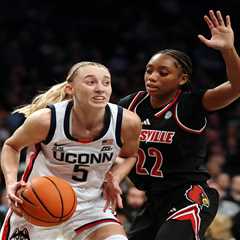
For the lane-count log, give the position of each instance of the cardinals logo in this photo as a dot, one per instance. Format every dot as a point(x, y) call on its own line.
point(196, 194)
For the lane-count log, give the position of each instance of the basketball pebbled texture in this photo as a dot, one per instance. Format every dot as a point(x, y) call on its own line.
point(48, 201)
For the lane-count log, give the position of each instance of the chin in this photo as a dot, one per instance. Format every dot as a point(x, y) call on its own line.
point(99, 105)
point(153, 93)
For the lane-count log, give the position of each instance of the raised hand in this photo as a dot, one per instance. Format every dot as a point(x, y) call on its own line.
point(222, 34)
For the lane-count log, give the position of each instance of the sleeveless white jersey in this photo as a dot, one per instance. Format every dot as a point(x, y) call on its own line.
point(83, 164)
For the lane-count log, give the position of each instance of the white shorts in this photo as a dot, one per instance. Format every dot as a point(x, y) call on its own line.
point(88, 217)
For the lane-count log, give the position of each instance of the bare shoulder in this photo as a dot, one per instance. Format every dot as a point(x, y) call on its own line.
point(130, 132)
point(37, 125)
point(40, 118)
point(34, 130)
point(131, 120)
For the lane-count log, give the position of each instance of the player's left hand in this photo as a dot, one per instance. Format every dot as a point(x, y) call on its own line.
point(222, 34)
point(112, 193)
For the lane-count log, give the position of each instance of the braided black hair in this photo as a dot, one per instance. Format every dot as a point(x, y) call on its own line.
point(184, 61)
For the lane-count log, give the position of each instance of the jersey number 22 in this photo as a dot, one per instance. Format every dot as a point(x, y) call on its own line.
point(158, 160)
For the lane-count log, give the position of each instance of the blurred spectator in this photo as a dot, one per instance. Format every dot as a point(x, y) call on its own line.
point(220, 229)
point(215, 163)
point(224, 181)
point(134, 203)
point(230, 205)
point(3, 206)
point(234, 194)
point(221, 183)
point(135, 198)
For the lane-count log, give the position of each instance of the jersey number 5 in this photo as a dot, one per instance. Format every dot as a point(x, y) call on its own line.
point(158, 160)
point(81, 172)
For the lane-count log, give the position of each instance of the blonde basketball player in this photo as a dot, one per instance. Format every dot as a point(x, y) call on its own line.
point(78, 138)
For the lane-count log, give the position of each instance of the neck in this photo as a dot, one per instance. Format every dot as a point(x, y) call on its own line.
point(160, 101)
point(88, 118)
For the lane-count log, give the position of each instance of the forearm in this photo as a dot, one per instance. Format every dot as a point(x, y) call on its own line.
point(9, 164)
point(123, 168)
point(232, 62)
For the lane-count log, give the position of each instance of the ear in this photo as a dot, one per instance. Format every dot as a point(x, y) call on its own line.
point(183, 79)
point(69, 89)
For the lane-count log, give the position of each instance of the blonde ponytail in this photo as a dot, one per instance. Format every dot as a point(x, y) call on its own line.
point(55, 94)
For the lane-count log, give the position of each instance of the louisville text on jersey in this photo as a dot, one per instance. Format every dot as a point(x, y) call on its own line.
point(157, 136)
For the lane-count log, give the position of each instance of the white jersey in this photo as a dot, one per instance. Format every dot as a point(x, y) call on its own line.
point(83, 164)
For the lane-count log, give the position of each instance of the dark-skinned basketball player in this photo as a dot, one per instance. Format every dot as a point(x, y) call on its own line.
point(173, 146)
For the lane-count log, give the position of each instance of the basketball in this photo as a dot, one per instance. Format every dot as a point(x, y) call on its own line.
point(47, 201)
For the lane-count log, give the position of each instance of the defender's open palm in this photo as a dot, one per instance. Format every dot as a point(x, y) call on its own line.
point(221, 31)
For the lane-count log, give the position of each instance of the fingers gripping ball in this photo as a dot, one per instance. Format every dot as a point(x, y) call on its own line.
point(48, 201)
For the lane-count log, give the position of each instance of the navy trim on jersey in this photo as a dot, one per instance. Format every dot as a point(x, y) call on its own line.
point(118, 126)
point(66, 121)
point(52, 125)
point(107, 119)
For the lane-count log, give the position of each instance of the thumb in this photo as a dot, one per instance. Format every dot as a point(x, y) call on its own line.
point(203, 39)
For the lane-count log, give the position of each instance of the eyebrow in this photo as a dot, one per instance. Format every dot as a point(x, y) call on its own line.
point(94, 76)
point(159, 67)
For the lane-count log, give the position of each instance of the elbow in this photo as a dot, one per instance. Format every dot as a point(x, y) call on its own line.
point(10, 146)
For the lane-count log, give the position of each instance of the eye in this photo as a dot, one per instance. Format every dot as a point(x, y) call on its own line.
point(106, 83)
point(163, 73)
point(148, 71)
point(90, 82)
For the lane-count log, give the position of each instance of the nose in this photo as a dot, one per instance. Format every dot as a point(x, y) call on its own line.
point(99, 87)
point(153, 77)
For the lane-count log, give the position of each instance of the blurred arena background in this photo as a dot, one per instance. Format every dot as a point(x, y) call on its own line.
point(40, 40)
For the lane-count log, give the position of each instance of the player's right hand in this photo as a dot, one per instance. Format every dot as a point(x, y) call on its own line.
point(13, 198)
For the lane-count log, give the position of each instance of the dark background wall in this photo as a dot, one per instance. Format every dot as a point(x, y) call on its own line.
point(40, 40)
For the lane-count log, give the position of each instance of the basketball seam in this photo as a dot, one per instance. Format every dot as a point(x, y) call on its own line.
point(39, 199)
point(74, 203)
point(40, 219)
point(73, 206)
point(26, 199)
point(56, 220)
point(59, 192)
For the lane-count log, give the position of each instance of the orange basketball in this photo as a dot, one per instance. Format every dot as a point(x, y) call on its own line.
point(48, 201)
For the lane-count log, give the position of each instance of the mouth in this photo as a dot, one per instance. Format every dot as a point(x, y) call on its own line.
point(99, 98)
point(151, 88)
